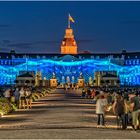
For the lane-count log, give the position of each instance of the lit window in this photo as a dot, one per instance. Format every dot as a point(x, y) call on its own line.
point(133, 62)
point(126, 62)
point(137, 61)
point(97, 57)
point(130, 62)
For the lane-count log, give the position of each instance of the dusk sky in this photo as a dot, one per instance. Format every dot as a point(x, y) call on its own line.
point(39, 27)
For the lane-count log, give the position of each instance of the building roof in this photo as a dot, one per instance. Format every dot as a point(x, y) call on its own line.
point(127, 55)
point(68, 58)
point(109, 75)
point(26, 75)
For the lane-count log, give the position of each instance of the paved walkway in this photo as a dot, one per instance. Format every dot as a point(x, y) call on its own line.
point(60, 115)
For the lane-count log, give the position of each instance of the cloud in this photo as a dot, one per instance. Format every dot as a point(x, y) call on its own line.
point(131, 21)
point(84, 40)
point(19, 45)
point(34, 46)
point(4, 25)
point(47, 42)
point(5, 42)
point(5, 49)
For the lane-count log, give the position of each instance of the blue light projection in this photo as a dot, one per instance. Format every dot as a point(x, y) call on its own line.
point(64, 71)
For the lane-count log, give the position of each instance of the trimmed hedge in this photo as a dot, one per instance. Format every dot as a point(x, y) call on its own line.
point(5, 106)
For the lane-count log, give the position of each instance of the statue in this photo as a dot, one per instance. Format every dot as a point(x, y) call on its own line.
point(90, 81)
point(73, 79)
point(81, 76)
point(53, 75)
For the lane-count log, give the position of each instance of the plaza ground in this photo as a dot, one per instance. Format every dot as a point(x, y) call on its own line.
point(61, 115)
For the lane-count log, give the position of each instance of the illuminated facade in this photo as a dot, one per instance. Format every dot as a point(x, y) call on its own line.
point(69, 45)
point(68, 67)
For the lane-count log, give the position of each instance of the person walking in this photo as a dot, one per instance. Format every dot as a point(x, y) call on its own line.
point(88, 93)
point(22, 98)
point(119, 111)
point(135, 107)
point(93, 94)
point(16, 95)
point(83, 93)
point(28, 99)
point(100, 110)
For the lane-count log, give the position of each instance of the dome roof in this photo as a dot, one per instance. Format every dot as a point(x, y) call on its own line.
point(68, 58)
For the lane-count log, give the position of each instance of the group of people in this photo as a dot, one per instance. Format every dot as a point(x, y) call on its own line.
point(71, 86)
point(22, 97)
point(123, 102)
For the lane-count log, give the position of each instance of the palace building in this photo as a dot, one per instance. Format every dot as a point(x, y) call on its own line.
point(69, 65)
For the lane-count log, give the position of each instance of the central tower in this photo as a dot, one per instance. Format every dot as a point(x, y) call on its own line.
point(69, 45)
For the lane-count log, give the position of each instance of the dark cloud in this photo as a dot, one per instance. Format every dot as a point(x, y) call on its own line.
point(4, 49)
point(4, 25)
point(35, 46)
point(5, 41)
point(19, 45)
point(131, 21)
point(47, 42)
point(84, 41)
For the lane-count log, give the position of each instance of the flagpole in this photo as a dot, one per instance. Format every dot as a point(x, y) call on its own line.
point(68, 21)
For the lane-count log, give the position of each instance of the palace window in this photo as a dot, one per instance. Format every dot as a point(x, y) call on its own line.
point(137, 61)
point(97, 57)
point(133, 62)
point(126, 62)
point(129, 62)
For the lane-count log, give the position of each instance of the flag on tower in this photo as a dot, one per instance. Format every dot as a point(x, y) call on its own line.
point(71, 19)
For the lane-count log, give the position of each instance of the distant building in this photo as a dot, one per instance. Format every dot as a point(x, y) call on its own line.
point(106, 78)
point(25, 79)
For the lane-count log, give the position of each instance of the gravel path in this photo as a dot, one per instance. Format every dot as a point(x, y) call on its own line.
point(60, 115)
